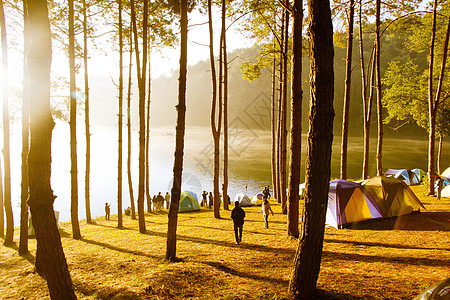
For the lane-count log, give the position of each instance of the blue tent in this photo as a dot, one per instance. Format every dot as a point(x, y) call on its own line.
point(349, 202)
point(409, 177)
point(419, 173)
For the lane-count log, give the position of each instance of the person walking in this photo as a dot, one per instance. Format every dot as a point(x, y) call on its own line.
point(238, 215)
point(266, 209)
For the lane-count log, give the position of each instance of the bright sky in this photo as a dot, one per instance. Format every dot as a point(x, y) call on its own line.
point(166, 60)
point(163, 62)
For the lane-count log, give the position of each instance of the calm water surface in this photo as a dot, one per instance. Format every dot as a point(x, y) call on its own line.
point(249, 171)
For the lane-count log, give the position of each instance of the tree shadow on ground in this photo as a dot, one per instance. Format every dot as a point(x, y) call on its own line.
point(373, 244)
point(107, 293)
point(221, 267)
point(124, 250)
point(408, 261)
point(423, 221)
point(328, 295)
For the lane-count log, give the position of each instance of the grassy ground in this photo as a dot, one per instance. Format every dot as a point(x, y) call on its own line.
point(381, 260)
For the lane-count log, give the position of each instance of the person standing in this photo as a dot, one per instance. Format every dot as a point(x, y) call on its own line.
point(159, 201)
point(238, 215)
point(266, 209)
point(107, 211)
point(211, 200)
point(204, 201)
point(167, 198)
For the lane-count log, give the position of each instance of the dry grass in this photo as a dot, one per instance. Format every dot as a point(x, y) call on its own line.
point(381, 260)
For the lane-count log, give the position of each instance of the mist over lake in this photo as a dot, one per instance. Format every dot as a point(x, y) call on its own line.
point(249, 162)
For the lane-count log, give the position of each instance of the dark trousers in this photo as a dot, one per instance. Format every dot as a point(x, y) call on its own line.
point(238, 232)
point(266, 221)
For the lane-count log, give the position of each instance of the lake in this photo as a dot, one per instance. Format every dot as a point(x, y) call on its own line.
point(249, 171)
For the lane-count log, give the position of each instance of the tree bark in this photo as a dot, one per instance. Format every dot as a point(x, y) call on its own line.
point(441, 141)
point(435, 103)
point(130, 181)
point(274, 130)
point(6, 149)
point(87, 180)
point(296, 120)
point(379, 103)
point(120, 123)
point(284, 132)
point(141, 88)
point(214, 129)
point(23, 243)
point(431, 131)
point(366, 105)
point(41, 125)
point(280, 101)
point(225, 109)
point(348, 80)
point(73, 128)
point(147, 136)
point(318, 161)
point(179, 143)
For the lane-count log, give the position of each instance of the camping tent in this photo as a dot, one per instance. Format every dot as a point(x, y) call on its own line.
point(409, 177)
point(419, 173)
point(243, 200)
point(446, 192)
point(188, 202)
point(393, 196)
point(257, 199)
point(349, 202)
point(446, 173)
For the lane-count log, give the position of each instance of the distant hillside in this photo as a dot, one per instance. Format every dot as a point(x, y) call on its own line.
point(249, 102)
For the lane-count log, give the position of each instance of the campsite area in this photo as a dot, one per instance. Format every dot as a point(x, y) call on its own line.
point(382, 259)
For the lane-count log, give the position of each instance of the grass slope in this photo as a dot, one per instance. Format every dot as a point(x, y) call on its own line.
point(385, 259)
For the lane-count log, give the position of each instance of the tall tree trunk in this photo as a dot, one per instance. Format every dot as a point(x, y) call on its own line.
point(284, 132)
point(73, 128)
point(141, 88)
point(434, 104)
point(366, 107)
point(6, 153)
point(296, 120)
point(147, 134)
point(179, 143)
point(274, 130)
point(23, 244)
point(39, 159)
point(225, 109)
point(214, 129)
point(379, 104)
point(142, 104)
point(120, 123)
point(367, 112)
point(87, 180)
point(130, 181)
point(431, 131)
point(318, 161)
point(280, 96)
point(348, 80)
point(441, 141)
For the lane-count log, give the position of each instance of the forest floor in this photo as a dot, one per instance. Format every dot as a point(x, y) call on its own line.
point(385, 259)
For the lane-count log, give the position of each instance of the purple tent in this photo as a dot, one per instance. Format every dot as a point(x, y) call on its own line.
point(349, 202)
